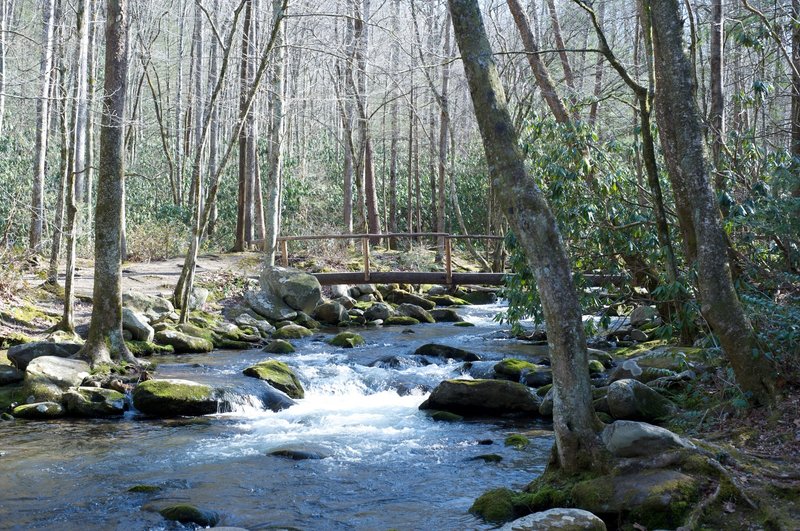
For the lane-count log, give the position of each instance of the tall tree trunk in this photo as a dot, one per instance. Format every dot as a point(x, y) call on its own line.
point(179, 157)
point(82, 101)
point(88, 181)
point(395, 130)
point(598, 71)
point(196, 193)
point(444, 126)
point(410, 175)
point(42, 126)
point(214, 132)
point(717, 110)
point(795, 138)
point(105, 342)
point(576, 427)
point(679, 122)
point(569, 77)
point(243, 203)
point(5, 15)
point(274, 176)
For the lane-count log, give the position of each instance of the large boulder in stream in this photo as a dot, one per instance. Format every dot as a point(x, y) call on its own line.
point(173, 397)
point(446, 315)
point(483, 397)
point(633, 400)
point(292, 331)
point(447, 352)
point(269, 305)
point(94, 402)
point(331, 313)
point(379, 310)
point(299, 290)
point(416, 312)
point(137, 325)
point(557, 520)
point(47, 377)
point(189, 514)
point(183, 343)
point(400, 296)
point(38, 411)
point(278, 375)
point(21, 355)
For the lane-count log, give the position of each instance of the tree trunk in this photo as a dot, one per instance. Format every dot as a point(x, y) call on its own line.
point(42, 125)
point(795, 139)
point(82, 100)
point(717, 110)
point(444, 126)
point(395, 130)
point(105, 341)
point(274, 176)
point(598, 71)
point(214, 132)
point(679, 123)
point(576, 427)
point(569, 77)
point(243, 203)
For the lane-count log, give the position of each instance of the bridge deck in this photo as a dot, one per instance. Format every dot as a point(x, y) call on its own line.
point(409, 277)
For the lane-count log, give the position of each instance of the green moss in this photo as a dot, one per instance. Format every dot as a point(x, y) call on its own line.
point(517, 440)
point(488, 458)
point(464, 324)
point(145, 348)
point(446, 416)
point(544, 498)
point(13, 339)
point(447, 300)
point(279, 346)
point(27, 313)
point(641, 348)
point(189, 514)
point(401, 320)
point(595, 367)
point(346, 340)
point(544, 389)
point(651, 513)
point(175, 391)
point(278, 375)
point(144, 488)
point(10, 395)
point(292, 331)
point(204, 319)
point(513, 367)
point(494, 506)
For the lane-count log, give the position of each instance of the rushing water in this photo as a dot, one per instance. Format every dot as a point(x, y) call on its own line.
point(387, 464)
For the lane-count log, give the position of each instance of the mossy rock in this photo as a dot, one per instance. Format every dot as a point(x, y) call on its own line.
point(447, 300)
point(641, 348)
point(141, 349)
point(278, 375)
point(482, 397)
point(189, 514)
point(517, 441)
point(172, 397)
point(146, 489)
point(183, 342)
point(512, 368)
point(400, 320)
point(347, 340)
point(12, 339)
point(596, 367)
point(494, 506)
point(464, 324)
point(279, 346)
point(488, 458)
point(38, 411)
point(542, 391)
point(446, 416)
point(94, 402)
point(292, 331)
point(11, 395)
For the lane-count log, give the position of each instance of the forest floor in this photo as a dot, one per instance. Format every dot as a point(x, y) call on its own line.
point(760, 448)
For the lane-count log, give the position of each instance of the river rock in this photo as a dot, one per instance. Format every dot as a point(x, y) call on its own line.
point(447, 300)
point(557, 520)
point(513, 369)
point(142, 303)
point(263, 327)
point(625, 438)
point(447, 352)
point(299, 290)
point(198, 298)
point(292, 331)
point(278, 375)
point(401, 320)
point(480, 297)
point(415, 311)
point(347, 340)
point(340, 290)
point(400, 296)
point(183, 343)
point(173, 397)
point(189, 514)
point(21, 355)
point(482, 397)
point(47, 377)
point(346, 301)
point(633, 400)
point(38, 411)
point(269, 305)
point(379, 310)
point(279, 346)
point(137, 325)
point(656, 499)
point(642, 314)
point(331, 313)
point(299, 454)
point(546, 407)
point(10, 375)
point(94, 402)
point(446, 315)
point(538, 378)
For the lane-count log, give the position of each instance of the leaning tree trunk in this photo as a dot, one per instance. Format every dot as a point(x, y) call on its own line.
point(105, 341)
point(679, 122)
point(576, 427)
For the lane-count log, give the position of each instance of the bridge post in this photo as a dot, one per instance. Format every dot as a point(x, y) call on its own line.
point(285, 253)
point(448, 260)
point(365, 251)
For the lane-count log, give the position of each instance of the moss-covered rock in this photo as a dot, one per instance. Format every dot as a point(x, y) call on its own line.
point(447, 300)
point(11, 394)
point(94, 402)
point(400, 320)
point(292, 331)
point(142, 349)
point(488, 458)
point(189, 514)
point(447, 352)
point(173, 397)
point(417, 312)
point(400, 296)
point(278, 375)
point(596, 367)
point(479, 297)
point(482, 397)
point(512, 368)
point(633, 400)
point(279, 346)
point(145, 489)
point(494, 506)
point(330, 312)
point(347, 340)
point(517, 440)
point(464, 324)
point(300, 290)
point(446, 315)
point(446, 416)
point(184, 343)
point(38, 411)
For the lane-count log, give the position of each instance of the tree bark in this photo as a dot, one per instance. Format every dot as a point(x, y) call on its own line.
point(569, 77)
point(42, 125)
point(444, 126)
point(717, 110)
point(578, 445)
point(274, 176)
point(795, 110)
point(244, 202)
point(679, 122)
point(105, 343)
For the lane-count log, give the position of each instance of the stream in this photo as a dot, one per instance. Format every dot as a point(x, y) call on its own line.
point(387, 464)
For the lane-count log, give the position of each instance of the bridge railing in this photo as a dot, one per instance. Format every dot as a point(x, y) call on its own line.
point(368, 276)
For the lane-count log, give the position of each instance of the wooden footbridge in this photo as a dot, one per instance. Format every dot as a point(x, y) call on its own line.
point(367, 276)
